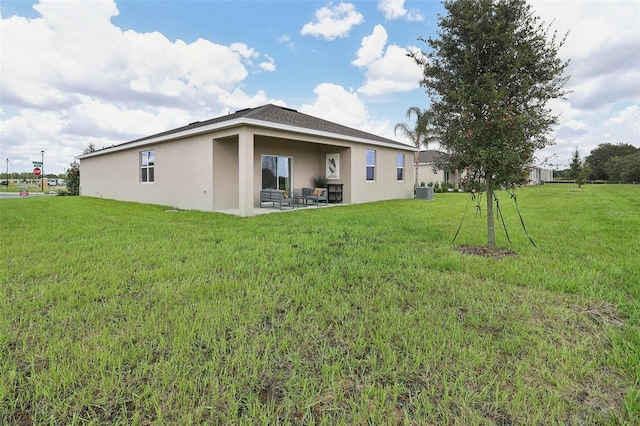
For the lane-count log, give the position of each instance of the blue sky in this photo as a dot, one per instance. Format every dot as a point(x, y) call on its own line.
point(106, 71)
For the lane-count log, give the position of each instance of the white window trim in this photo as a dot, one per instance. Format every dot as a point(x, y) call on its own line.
point(147, 182)
point(398, 167)
point(367, 165)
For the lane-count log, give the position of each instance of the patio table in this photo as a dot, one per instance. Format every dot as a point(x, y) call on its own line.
point(300, 198)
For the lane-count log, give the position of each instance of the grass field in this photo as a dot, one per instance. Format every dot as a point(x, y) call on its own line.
point(123, 313)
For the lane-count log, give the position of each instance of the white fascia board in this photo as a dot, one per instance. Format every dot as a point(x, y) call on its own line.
point(237, 123)
point(165, 138)
point(303, 130)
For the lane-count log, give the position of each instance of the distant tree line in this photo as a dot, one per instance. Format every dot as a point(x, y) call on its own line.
point(607, 162)
point(611, 162)
point(25, 176)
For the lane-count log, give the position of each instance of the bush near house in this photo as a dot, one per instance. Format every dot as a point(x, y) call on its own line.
point(124, 313)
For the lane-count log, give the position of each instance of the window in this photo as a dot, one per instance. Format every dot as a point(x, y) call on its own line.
point(147, 164)
point(371, 165)
point(400, 167)
point(276, 172)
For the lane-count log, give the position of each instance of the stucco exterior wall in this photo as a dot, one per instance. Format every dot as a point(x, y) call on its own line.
point(225, 174)
point(206, 172)
point(427, 175)
point(385, 186)
point(183, 175)
point(309, 160)
point(306, 160)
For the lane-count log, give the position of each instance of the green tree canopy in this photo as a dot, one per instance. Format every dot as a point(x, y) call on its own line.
point(624, 168)
point(490, 73)
point(598, 158)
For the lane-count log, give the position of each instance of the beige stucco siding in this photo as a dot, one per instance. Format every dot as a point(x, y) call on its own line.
point(222, 170)
point(309, 157)
point(427, 175)
point(306, 160)
point(183, 175)
point(385, 186)
point(225, 174)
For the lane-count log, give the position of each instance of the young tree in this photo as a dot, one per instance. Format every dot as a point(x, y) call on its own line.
point(489, 74)
point(420, 134)
point(73, 179)
point(575, 167)
point(91, 147)
point(73, 174)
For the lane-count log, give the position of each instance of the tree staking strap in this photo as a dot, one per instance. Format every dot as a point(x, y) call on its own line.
point(473, 197)
point(478, 205)
point(499, 212)
point(504, 225)
point(515, 201)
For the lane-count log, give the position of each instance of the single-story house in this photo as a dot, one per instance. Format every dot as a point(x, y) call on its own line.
point(428, 173)
point(222, 164)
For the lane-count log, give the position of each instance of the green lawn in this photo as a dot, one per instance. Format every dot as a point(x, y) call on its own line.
point(126, 313)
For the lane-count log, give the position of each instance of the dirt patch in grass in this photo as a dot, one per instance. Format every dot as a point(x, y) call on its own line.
point(496, 252)
point(602, 313)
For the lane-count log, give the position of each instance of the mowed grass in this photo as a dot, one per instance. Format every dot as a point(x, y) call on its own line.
point(125, 313)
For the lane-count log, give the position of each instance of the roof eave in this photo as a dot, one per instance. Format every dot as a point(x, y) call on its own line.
point(242, 121)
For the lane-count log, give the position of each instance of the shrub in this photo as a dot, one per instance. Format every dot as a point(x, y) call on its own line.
point(319, 181)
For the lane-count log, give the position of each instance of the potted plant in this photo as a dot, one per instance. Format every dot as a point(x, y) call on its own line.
point(319, 181)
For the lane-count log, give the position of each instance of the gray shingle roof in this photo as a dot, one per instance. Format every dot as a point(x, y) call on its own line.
point(428, 157)
point(285, 116)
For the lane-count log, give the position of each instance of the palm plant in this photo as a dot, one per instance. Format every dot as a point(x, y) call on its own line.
point(420, 134)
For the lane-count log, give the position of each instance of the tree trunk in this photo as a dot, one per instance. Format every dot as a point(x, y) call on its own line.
point(416, 158)
point(491, 232)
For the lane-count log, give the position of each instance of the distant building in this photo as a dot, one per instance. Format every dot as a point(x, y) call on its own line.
point(429, 173)
point(539, 175)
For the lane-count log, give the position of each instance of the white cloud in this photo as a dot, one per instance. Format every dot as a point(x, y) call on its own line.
point(371, 47)
point(394, 9)
point(286, 40)
point(239, 99)
point(333, 22)
point(389, 71)
point(269, 64)
point(352, 112)
point(49, 68)
point(243, 50)
point(630, 117)
point(108, 85)
point(394, 72)
point(603, 45)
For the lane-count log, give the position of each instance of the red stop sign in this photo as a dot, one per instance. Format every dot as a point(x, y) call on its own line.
point(36, 171)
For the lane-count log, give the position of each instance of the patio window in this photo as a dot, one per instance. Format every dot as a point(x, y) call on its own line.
point(371, 165)
point(400, 167)
point(147, 166)
point(276, 172)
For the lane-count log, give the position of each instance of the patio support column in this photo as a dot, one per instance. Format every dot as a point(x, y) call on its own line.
point(245, 172)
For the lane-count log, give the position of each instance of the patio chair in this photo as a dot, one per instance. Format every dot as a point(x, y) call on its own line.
point(316, 196)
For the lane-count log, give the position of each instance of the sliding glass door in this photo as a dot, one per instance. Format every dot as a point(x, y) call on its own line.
point(277, 172)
